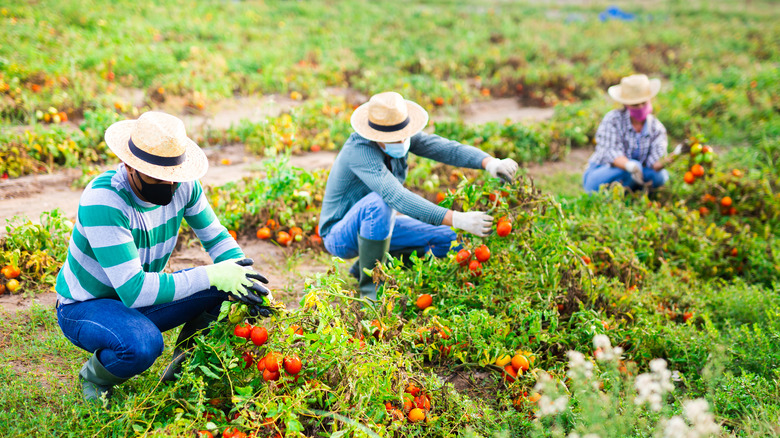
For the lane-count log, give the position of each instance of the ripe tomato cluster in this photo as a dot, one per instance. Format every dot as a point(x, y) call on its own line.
point(701, 155)
point(10, 274)
point(515, 365)
point(481, 255)
point(269, 364)
point(417, 404)
point(285, 238)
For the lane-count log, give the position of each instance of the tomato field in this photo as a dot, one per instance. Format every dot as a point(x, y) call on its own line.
point(610, 314)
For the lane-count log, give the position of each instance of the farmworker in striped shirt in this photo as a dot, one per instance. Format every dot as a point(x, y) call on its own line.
point(113, 298)
point(365, 189)
point(631, 143)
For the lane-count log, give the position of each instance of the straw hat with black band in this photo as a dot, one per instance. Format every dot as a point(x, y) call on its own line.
point(388, 118)
point(156, 144)
point(634, 89)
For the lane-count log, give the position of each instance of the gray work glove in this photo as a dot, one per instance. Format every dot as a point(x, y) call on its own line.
point(475, 222)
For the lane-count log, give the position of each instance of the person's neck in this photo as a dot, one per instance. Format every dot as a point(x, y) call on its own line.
point(637, 124)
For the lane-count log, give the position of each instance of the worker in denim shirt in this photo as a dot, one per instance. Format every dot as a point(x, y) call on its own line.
point(631, 143)
point(365, 188)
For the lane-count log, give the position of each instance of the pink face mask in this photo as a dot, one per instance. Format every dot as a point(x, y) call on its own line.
point(641, 114)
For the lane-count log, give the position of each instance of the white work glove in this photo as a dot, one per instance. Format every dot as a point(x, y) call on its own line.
point(678, 149)
point(635, 169)
point(504, 169)
point(474, 222)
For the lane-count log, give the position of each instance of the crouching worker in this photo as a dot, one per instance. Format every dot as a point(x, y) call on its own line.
point(113, 298)
point(365, 189)
point(631, 143)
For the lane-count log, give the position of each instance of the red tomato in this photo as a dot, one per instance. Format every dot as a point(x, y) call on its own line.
point(259, 335)
point(272, 362)
point(482, 253)
point(242, 330)
point(292, 364)
point(463, 256)
point(248, 359)
point(503, 229)
point(270, 376)
point(475, 267)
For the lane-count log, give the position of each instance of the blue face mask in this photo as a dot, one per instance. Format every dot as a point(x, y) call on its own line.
point(398, 150)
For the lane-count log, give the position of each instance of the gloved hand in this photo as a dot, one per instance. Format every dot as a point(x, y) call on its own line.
point(504, 169)
point(678, 149)
point(475, 222)
point(635, 169)
point(233, 276)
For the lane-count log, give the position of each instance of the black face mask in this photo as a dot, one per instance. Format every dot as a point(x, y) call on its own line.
point(159, 194)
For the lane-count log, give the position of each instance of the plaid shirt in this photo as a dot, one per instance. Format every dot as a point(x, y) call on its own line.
point(616, 137)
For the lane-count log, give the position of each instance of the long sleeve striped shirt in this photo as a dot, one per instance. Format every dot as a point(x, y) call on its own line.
point(362, 167)
point(121, 244)
point(616, 137)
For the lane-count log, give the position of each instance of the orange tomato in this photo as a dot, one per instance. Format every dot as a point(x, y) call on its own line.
point(424, 301)
point(726, 201)
point(734, 252)
point(704, 211)
point(534, 397)
point(264, 233)
point(510, 374)
point(283, 238)
point(737, 173)
point(697, 170)
point(295, 231)
point(689, 178)
point(503, 229)
point(2, 288)
point(10, 271)
point(271, 224)
point(440, 197)
point(586, 259)
point(416, 415)
point(520, 362)
point(439, 101)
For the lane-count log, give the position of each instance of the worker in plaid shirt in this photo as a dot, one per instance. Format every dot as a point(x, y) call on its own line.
point(630, 142)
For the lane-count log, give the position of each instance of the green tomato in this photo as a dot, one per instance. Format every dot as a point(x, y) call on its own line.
point(695, 149)
point(708, 157)
point(698, 158)
point(237, 313)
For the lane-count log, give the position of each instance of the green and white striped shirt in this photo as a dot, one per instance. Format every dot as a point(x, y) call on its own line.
point(121, 244)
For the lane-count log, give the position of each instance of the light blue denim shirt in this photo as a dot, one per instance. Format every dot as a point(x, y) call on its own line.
point(362, 167)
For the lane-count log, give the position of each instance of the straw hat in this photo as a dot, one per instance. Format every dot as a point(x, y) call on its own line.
point(634, 89)
point(387, 118)
point(157, 145)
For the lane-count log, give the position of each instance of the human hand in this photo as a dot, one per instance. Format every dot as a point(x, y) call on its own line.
point(233, 276)
point(635, 169)
point(504, 169)
point(475, 222)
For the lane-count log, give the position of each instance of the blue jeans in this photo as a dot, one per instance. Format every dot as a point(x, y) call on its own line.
point(373, 219)
point(596, 175)
point(128, 341)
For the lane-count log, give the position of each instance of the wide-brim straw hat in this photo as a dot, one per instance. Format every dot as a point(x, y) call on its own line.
point(156, 144)
point(387, 117)
point(634, 89)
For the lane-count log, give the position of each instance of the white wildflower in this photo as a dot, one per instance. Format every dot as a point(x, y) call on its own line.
point(604, 350)
point(601, 341)
point(651, 387)
point(676, 428)
point(548, 406)
point(697, 412)
point(543, 382)
point(579, 367)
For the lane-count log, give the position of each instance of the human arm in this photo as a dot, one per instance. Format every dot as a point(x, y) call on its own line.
point(448, 151)
point(213, 235)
